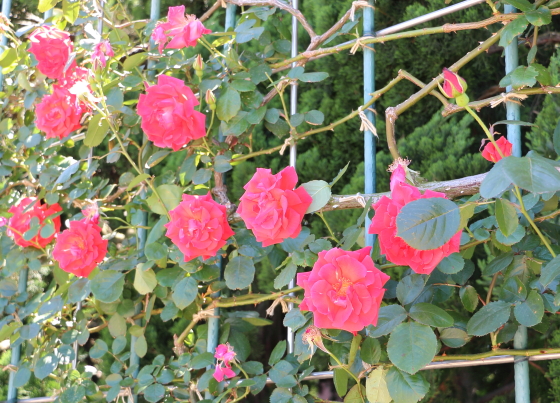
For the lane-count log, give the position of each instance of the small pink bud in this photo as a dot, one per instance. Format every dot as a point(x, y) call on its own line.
point(211, 99)
point(453, 84)
point(198, 63)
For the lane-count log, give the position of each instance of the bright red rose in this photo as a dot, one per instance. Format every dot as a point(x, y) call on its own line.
point(52, 48)
point(23, 217)
point(80, 248)
point(198, 226)
point(59, 114)
point(271, 207)
point(491, 154)
point(168, 115)
point(384, 223)
point(343, 290)
point(183, 31)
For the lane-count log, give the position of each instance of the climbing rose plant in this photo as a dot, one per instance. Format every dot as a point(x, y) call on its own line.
point(116, 147)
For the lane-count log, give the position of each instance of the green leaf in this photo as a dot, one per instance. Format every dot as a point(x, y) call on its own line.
point(154, 392)
point(412, 346)
point(405, 388)
point(258, 321)
point(117, 325)
point(532, 174)
point(370, 351)
point(98, 350)
point(45, 366)
point(171, 196)
point(513, 122)
point(46, 5)
point(313, 77)
point(277, 353)
point(8, 57)
point(489, 318)
point(107, 286)
point(428, 224)
point(409, 288)
point(513, 29)
point(74, 394)
point(340, 379)
point(70, 10)
point(376, 386)
point(281, 374)
point(539, 17)
point(22, 377)
point(544, 77)
point(285, 276)
point(256, 116)
point(201, 176)
point(239, 273)
point(144, 280)
point(389, 317)
point(157, 157)
point(523, 5)
point(228, 104)
point(451, 264)
point(8, 288)
point(141, 346)
point(469, 297)
point(136, 181)
point(430, 315)
point(499, 264)
point(548, 272)
point(185, 292)
point(530, 312)
point(280, 128)
point(523, 76)
point(320, 192)
point(506, 216)
point(355, 394)
point(556, 138)
point(339, 175)
point(280, 395)
point(454, 337)
point(134, 61)
point(314, 117)
point(221, 164)
point(294, 319)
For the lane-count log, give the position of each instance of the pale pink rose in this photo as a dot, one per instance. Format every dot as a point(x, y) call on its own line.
point(198, 226)
point(168, 115)
point(52, 48)
point(271, 207)
point(80, 248)
point(20, 222)
point(184, 31)
point(384, 223)
point(59, 114)
point(225, 353)
point(101, 53)
point(343, 290)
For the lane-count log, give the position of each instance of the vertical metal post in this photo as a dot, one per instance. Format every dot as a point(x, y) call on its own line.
point(48, 14)
point(293, 147)
point(521, 365)
point(214, 322)
point(369, 88)
point(14, 361)
point(6, 10)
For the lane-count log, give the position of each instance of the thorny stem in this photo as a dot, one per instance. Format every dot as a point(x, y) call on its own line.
point(491, 288)
point(494, 353)
point(247, 389)
point(345, 368)
point(492, 6)
point(320, 214)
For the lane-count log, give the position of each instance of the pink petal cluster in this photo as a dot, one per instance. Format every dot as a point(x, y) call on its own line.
point(184, 31)
point(20, 222)
point(52, 48)
point(198, 226)
point(168, 115)
point(59, 114)
point(101, 52)
point(271, 207)
point(225, 355)
point(384, 223)
point(490, 152)
point(80, 248)
point(343, 290)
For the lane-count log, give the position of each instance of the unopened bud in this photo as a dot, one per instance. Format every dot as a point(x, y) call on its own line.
point(453, 84)
point(199, 66)
point(313, 336)
point(211, 100)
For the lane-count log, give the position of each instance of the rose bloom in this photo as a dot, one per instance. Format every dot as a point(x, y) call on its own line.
point(225, 355)
point(80, 248)
point(59, 114)
point(198, 226)
point(52, 48)
point(101, 53)
point(343, 290)
point(168, 115)
point(183, 31)
point(73, 75)
point(384, 223)
point(20, 222)
point(271, 207)
point(491, 154)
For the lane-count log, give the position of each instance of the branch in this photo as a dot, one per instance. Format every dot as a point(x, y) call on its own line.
point(495, 353)
point(211, 11)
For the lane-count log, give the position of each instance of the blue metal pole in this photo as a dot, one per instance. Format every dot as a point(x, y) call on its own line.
point(14, 360)
point(369, 88)
point(521, 365)
point(6, 10)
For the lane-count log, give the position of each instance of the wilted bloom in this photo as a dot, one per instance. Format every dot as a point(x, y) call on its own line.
point(491, 153)
point(384, 223)
point(52, 48)
point(343, 290)
point(101, 53)
point(24, 213)
point(183, 31)
point(225, 356)
point(314, 337)
point(59, 114)
point(271, 207)
point(211, 100)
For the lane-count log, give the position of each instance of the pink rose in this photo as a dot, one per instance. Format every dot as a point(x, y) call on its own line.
point(384, 224)
point(453, 84)
point(52, 48)
point(101, 53)
point(22, 217)
point(225, 356)
point(59, 114)
point(183, 31)
point(271, 207)
point(491, 154)
point(343, 290)
point(198, 226)
point(73, 75)
point(168, 115)
point(80, 248)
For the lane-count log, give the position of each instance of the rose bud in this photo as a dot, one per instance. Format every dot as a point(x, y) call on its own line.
point(454, 86)
point(211, 100)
